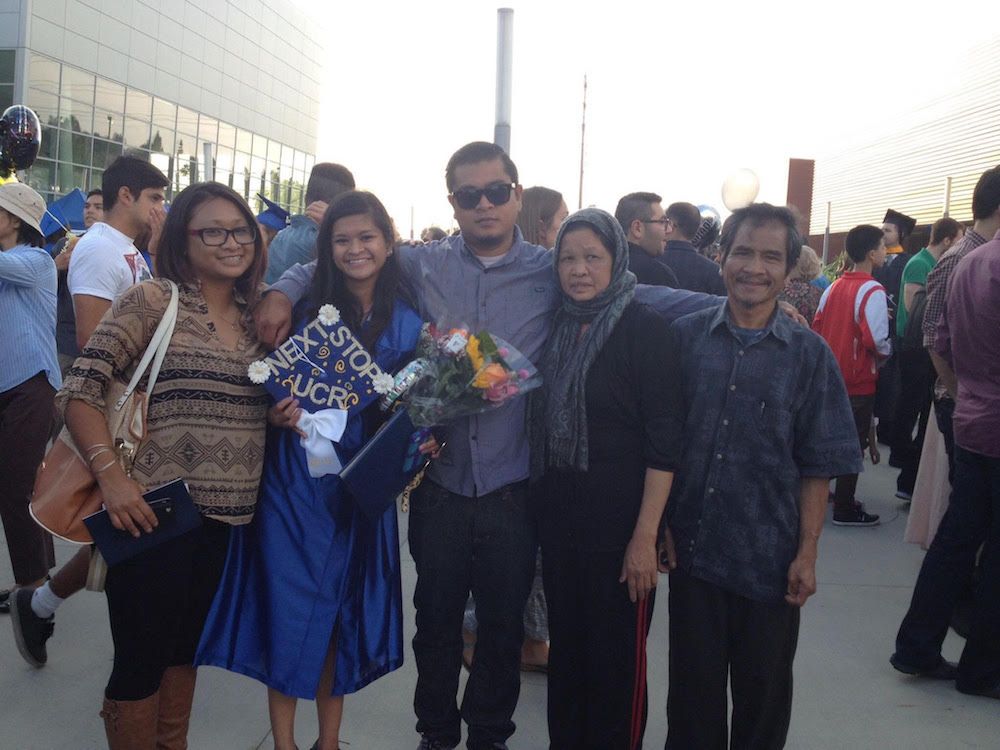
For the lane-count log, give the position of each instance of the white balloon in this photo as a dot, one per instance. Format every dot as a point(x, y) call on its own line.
point(740, 189)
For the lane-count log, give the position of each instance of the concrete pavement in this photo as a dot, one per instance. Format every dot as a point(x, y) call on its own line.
point(846, 694)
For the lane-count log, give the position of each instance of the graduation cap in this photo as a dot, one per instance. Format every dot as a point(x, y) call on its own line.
point(274, 216)
point(904, 223)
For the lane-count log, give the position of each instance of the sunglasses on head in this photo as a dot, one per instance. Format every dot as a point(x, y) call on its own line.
point(496, 193)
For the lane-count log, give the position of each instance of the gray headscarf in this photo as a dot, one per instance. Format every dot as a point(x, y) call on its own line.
point(558, 413)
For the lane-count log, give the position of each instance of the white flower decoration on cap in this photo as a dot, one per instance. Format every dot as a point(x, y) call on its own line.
point(328, 315)
point(258, 372)
point(383, 382)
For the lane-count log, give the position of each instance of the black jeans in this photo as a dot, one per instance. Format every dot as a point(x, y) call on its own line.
point(972, 518)
point(485, 545)
point(912, 410)
point(844, 488)
point(158, 602)
point(715, 634)
point(26, 415)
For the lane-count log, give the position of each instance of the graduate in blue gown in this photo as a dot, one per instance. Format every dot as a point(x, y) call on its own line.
point(310, 603)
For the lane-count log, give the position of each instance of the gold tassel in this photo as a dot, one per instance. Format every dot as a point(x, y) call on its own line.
point(404, 496)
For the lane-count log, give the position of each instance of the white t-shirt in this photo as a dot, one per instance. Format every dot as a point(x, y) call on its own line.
point(105, 263)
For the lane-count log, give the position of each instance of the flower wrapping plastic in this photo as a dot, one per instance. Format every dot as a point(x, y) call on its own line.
point(463, 373)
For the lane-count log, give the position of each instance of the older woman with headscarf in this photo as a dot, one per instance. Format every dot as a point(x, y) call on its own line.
point(604, 448)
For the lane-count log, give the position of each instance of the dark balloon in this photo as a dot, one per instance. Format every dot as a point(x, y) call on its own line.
point(711, 225)
point(20, 137)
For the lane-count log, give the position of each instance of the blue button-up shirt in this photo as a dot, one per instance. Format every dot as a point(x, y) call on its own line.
point(27, 316)
point(515, 298)
point(759, 418)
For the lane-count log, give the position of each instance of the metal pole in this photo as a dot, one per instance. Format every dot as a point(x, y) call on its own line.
point(583, 133)
point(947, 195)
point(826, 236)
point(505, 66)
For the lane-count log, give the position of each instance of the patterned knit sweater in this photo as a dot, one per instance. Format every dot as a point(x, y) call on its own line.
point(206, 420)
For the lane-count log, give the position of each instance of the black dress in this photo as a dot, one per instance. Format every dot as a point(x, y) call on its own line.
point(597, 669)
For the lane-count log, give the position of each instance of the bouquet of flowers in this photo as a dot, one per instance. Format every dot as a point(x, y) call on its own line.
point(458, 373)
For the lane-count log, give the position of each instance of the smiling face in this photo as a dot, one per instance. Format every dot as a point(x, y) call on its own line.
point(487, 228)
point(584, 264)
point(360, 249)
point(225, 262)
point(93, 210)
point(755, 267)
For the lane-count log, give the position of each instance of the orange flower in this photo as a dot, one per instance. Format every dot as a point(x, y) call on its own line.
point(491, 375)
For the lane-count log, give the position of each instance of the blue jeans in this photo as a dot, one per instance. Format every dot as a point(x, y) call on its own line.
point(484, 545)
point(972, 519)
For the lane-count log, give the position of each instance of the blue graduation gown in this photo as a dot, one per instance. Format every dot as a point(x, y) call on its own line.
point(312, 567)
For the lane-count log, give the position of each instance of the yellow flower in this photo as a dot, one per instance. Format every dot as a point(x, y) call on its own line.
point(493, 374)
point(475, 356)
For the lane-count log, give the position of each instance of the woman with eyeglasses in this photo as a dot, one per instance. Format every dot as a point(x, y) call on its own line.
point(311, 601)
point(206, 425)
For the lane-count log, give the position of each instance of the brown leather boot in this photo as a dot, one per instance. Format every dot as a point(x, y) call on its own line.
point(131, 725)
point(176, 695)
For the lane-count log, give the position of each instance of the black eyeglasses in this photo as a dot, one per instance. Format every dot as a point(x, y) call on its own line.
point(497, 193)
point(664, 221)
point(215, 236)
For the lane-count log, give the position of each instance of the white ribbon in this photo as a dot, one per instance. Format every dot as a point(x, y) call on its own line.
point(322, 428)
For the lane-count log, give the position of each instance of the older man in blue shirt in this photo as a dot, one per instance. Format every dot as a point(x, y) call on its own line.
point(470, 527)
point(767, 424)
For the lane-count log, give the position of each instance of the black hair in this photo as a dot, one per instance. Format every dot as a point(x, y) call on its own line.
point(327, 181)
point(945, 229)
point(328, 284)
point(862, 240)
point(758, 214)
point(172, 260)
point(95, 191)
point(986, 196)
point(132, 173)
point(30, 236)
point(635, 206)
point(474, 153)
point(686, 217)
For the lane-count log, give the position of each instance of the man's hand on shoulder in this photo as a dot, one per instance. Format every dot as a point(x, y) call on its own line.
point(792, 313)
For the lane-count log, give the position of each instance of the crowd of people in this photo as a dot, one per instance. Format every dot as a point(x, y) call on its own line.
point(702, 385)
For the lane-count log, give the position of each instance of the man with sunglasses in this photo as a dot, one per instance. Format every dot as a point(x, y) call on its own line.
point(470, 527)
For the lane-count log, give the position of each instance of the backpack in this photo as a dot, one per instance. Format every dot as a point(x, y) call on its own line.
point(913, 334)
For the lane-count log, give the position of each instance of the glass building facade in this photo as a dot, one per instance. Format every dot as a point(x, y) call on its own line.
point(180, 120)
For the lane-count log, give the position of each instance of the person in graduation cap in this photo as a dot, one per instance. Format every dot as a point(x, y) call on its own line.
point(310, 603)
point(271, 220)
point(896, 229)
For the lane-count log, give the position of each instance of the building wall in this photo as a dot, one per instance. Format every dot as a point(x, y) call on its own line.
point(953, 133)
point(167, 78)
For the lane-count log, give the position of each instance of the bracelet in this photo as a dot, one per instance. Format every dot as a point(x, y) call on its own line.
point(98, 445)
point(108, 465)
point(100, 449)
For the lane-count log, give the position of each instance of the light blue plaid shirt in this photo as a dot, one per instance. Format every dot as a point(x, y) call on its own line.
point(27, 317)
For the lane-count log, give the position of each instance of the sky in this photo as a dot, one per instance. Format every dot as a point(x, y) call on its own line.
point(680, 95)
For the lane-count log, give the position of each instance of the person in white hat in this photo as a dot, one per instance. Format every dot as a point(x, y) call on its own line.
point(29, 374)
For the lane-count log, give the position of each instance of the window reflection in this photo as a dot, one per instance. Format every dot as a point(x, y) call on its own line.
point(87, 120)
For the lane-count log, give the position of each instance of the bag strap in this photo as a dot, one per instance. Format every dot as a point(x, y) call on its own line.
point(155, 351)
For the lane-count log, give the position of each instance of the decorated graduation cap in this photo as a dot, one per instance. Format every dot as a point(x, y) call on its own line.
point(274, 216)
point(904, 223)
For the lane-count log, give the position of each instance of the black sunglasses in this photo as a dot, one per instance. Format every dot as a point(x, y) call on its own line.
point(496, 193)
